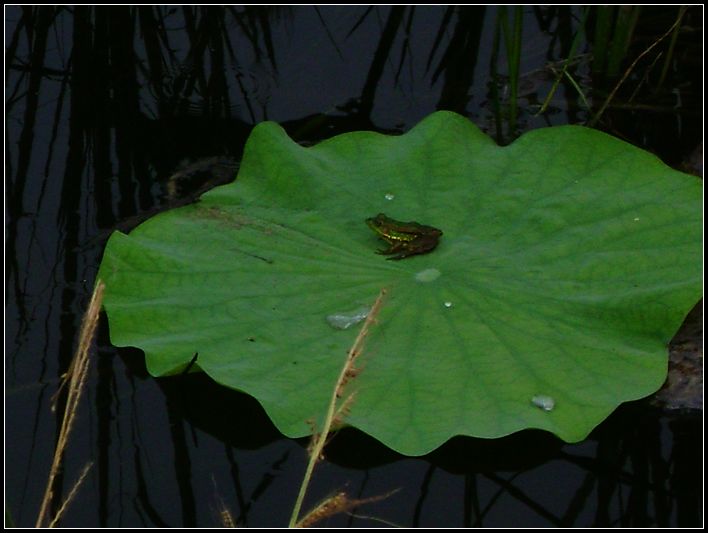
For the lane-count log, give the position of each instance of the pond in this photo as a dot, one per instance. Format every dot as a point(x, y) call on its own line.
point(116, 113)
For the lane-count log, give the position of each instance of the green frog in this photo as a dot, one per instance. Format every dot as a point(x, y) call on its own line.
point(404, 238)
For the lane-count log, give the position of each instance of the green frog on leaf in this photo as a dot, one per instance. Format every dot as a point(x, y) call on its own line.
point(404, 238)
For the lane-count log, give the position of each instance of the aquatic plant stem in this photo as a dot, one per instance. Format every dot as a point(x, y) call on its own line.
point(320, 438)
point(564, 69)
point(514, 58)
point(672, 45)
point(609, 98)
point(494, 76)
point(76, 379)
point(512, 40)
point(626, 18)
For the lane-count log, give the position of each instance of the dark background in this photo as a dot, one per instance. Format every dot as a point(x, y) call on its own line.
point(110, 112)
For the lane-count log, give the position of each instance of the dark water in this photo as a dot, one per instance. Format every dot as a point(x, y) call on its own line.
point(104, 104)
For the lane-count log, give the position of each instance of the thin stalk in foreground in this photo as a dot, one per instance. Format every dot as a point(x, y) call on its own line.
point(76, 378)
point(319, 439)
point(71, 494)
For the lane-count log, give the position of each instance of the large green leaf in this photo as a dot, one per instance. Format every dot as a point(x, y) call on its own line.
point(568, 261)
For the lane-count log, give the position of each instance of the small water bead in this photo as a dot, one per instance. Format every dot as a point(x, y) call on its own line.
point(389, 196)
point(447, 304)
point(347, 320)
point(543, 402)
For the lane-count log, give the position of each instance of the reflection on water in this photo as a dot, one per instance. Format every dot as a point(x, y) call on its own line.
point(105, 104)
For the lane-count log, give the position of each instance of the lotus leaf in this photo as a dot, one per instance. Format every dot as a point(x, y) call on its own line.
point(568, 261)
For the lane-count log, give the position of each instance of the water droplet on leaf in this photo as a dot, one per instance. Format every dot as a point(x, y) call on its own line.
point(543, 402)
point(346, 320)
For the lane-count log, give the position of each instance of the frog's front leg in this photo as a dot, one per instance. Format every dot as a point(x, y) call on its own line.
point(421, 245)
point(394, 248)
point(402, 250)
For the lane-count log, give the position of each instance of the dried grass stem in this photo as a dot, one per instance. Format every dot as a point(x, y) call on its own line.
point(75, 377)
point(334, 411)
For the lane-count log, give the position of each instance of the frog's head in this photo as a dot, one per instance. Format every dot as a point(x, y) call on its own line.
point(380, 223)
